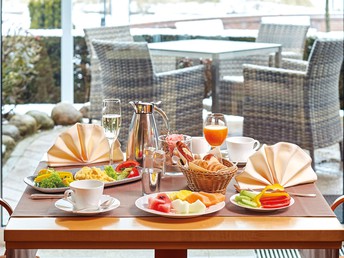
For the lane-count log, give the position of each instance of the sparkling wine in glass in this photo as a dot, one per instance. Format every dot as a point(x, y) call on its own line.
point(215, 131)
point(111, 121)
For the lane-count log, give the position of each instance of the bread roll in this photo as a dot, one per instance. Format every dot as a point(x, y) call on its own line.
point(213, 163)
point(216, 166)
point(201, 163)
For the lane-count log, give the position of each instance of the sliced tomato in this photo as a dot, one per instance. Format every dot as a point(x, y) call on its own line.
point(127, 164)
point(270, 205)
point(166, 207)
point(275, 198)
point(133, 173)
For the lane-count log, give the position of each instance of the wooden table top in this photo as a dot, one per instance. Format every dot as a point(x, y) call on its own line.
point(257, 231)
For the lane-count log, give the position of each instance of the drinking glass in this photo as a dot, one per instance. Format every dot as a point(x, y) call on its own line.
point(111, 121)
point(215, 131)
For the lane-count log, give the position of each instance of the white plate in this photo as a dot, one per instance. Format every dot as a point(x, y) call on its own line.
point(64, 205)
point(142, 204)
point(30, 182)
point(232, 200)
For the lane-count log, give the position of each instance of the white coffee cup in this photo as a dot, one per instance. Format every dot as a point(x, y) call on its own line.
point(240, 148)
point(199, 145)
point(84, 194)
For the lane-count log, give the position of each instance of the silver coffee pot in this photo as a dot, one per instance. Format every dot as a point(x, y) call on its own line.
point(143, 132)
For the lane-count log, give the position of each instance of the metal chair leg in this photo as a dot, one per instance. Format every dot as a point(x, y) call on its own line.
point(311, 153)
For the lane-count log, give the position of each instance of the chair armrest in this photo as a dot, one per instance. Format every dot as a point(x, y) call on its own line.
point(292, 55)
point(265, 83)
point(273, 70)
point(337, 202)
point(5, 204)
point(293, 64)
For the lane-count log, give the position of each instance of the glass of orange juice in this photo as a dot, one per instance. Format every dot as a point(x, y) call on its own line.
point(215, 130)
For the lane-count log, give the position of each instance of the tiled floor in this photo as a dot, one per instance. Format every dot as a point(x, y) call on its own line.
point(29, 152)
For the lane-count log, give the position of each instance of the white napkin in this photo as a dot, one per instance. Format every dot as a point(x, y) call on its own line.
point(283, 163)
point(80, 145)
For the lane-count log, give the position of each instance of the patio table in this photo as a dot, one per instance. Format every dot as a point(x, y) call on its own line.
point(216, 50)
point(38, 224)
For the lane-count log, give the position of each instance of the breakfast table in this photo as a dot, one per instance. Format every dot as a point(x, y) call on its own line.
point(216, 50)
point(308, 224)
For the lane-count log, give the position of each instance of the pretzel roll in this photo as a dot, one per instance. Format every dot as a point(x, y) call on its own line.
point(184, 152)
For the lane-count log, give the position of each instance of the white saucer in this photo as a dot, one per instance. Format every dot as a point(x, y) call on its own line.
point(64, 205)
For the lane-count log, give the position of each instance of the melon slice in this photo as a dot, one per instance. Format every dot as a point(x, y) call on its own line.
point(214, 197)
point(197, 196)
point(197, 207)
point(180, 207)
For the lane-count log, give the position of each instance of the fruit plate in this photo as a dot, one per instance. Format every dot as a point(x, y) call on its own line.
point(260, 209)
point(142, 204)
point(29, 180)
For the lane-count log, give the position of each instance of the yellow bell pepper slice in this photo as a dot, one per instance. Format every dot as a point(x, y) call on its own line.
point(274, 194)
point(274, 187)
point(45, 171)
point(67, 180)
point(39, 179)
point(63, 174)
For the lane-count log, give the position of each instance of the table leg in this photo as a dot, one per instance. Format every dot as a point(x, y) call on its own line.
point(171, 253)
point(17, 253)
point(278, 58)
point(317, 253)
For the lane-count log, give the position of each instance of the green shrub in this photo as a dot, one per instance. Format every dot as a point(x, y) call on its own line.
point(45, 14)
point(21, 52)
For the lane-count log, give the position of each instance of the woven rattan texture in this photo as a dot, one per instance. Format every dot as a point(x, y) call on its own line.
point(291, 37)
point(118, 33)
point(128, 74)
point(211, 182)
point(113, 33)
point(301, 107)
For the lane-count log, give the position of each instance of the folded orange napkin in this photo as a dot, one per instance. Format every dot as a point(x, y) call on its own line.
point(283, 163)
point(82, 144)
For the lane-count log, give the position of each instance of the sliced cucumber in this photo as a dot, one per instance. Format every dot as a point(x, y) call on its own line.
point(248, 194)
point(238, 198)
point(249, 203)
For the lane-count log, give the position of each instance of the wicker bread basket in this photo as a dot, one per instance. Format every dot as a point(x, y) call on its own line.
point(211, 182)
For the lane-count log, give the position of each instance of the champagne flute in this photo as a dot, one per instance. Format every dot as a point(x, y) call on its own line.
point(215, 131)
point(111, 122)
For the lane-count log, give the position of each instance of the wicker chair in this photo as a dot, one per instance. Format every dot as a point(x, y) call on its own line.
point(301, 107)
point(118, 33)
point(114, 33)
point(128, 74)
point(292, 38)
point(17, 252)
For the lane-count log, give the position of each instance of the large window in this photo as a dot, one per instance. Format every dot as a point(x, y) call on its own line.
point(40, 78)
